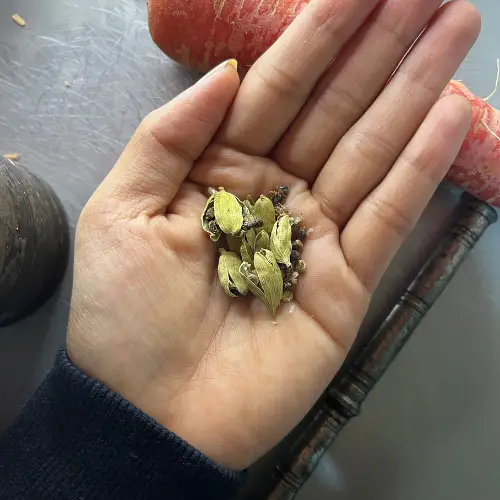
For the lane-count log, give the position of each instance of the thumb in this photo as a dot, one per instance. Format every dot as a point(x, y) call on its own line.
point(161, 153)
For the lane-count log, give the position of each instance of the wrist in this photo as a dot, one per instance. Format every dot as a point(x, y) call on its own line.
point(210, 428)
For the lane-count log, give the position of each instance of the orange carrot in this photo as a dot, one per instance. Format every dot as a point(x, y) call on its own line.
point(202, 33)
point(477, 166)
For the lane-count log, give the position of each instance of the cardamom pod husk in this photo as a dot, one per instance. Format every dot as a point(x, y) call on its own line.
point(246, 252)
point(262, 241)
point(233, 283)
point(281, 240)
point(228, 212)
point(233, 243)
point(264, 210)
point(208, 220)
point(252, 281)
point(270, 278)
point(301, 266)
point(249, 238)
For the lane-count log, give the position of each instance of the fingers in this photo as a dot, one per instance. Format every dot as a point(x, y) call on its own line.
point(239, 173)
point(389, 213)
point(351, 84)
point(160, 154)
point(279, 83)
point(367, 152)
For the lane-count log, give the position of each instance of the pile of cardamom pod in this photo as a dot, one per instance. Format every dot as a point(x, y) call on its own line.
point(264, 245)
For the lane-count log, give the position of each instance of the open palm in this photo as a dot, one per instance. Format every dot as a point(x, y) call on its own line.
point(362, 158)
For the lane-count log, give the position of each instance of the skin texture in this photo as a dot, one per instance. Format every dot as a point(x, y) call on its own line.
point(477, 167)
point(148, 317)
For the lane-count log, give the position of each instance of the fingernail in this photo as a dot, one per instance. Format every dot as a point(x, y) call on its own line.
point(233, 63)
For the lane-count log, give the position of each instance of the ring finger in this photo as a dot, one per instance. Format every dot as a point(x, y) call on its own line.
point(368, 151)
point(389, 213)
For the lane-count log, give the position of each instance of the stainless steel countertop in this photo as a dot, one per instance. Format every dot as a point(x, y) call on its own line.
point(76, 82)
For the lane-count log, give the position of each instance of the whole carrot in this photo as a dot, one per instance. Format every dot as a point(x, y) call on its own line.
point(202, 33)
point(477, 166)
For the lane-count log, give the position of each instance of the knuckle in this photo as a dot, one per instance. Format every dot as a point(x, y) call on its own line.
point(372, 146)
point(424, 165)
point(371, 152)
point(336, 100)
point(397, 19)
point(421, 76)
point(390, 216)
point(154, 126)
point(280, 81)
point(332, 211)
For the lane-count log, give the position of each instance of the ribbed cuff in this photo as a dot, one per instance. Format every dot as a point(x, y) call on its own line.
point(77, 439)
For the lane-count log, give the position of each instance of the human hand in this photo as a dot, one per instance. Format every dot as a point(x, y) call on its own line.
point(362, 158)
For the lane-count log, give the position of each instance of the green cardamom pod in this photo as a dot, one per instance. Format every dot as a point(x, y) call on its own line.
point(246, 252)
point(270, 278)
point(208, 220)
point(230, 277)
point(252, 281)
point(255, 286)
point(228, 212)
point(233, 243)
point(281, 240)
point(264, 210)
point(248, 204)
point(262, 241)
point(249, 238)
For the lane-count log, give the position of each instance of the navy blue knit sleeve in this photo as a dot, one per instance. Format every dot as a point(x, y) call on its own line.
point(78, 440)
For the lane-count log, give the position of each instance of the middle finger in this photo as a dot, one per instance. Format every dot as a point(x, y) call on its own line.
point(351, 85)
point(280, 82)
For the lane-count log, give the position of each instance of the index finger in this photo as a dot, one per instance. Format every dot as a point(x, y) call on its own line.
point(280, 82)
point(159, 156)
